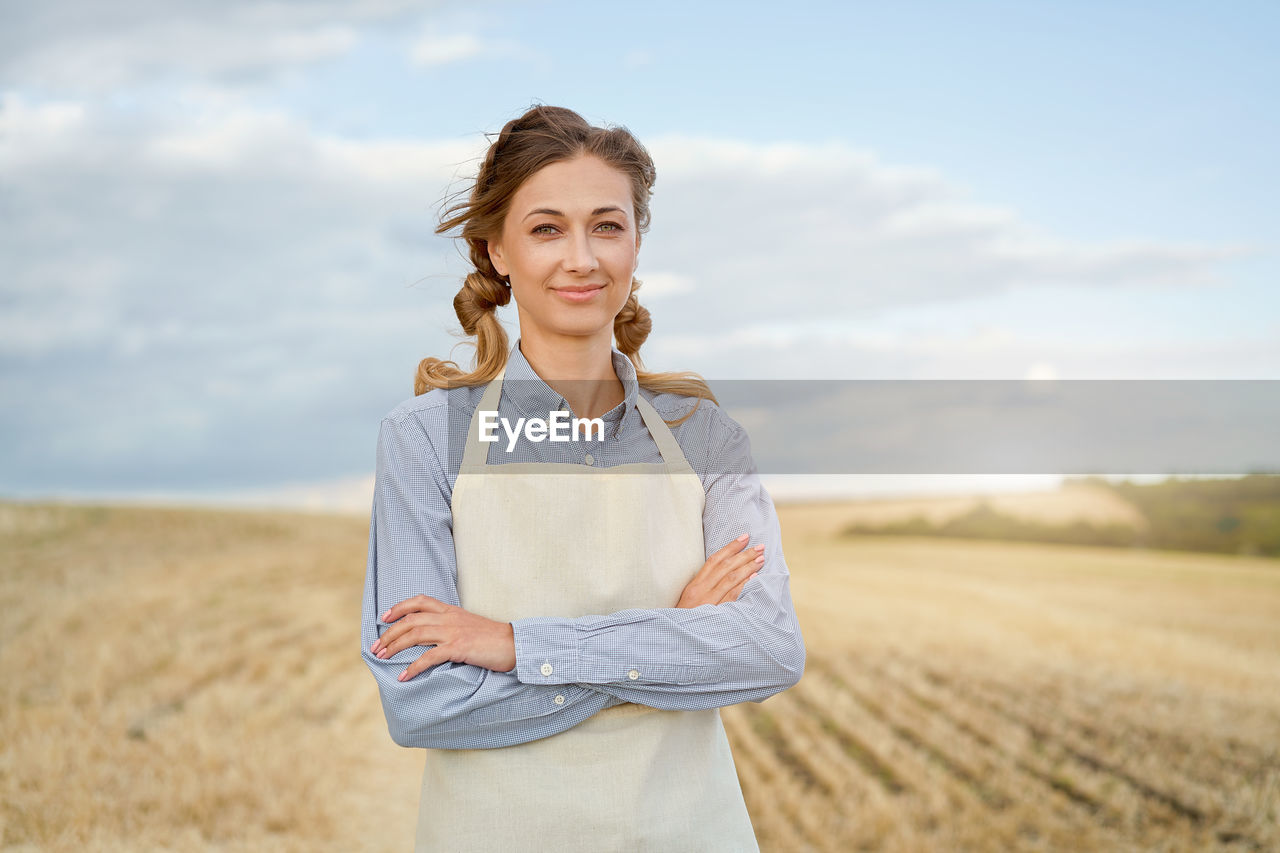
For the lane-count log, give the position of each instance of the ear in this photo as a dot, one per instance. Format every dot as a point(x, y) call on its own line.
point(496, 257)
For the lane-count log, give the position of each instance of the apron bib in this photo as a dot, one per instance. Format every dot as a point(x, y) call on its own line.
point(559, 539)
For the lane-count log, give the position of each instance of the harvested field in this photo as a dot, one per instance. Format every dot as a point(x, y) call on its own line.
point(184, 679)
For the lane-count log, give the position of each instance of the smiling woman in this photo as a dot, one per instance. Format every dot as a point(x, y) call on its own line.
point(559, 623)
point(514, 215)
point(571, 268)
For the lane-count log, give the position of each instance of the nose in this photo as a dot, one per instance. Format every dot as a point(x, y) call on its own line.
point(579, 255)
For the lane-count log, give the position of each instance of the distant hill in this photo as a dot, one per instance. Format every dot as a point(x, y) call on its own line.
point(1226, 516)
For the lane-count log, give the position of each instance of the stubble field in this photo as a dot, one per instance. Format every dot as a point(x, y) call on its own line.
point(183, 679)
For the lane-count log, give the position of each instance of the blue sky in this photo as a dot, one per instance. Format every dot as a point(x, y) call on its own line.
point(1094, 119)
point(218, 217)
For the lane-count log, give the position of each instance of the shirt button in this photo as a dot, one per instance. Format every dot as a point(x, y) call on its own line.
point(587, 460)
point(633, 674)
point(559, 700)
point(546, 669)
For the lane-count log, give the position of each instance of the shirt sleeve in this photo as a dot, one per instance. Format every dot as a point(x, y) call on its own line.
point(451, 705)
point(687, 658)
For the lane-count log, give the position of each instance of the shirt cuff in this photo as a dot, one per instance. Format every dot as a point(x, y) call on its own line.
point(546, 651)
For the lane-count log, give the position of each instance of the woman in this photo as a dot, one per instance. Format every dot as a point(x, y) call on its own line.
point(586, 605)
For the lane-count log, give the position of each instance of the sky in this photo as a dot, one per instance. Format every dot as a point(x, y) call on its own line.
point(218, 266)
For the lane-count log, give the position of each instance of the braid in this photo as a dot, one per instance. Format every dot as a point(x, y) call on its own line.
point(632, 325)
point(476, 305)
point(482, 292)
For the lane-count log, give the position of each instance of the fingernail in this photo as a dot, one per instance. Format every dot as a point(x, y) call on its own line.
point(744, 537)
point(759, 547)
point(400, 677)
point(385, 615)
point(760, 559)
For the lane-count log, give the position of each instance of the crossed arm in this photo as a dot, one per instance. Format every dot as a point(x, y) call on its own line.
point(732, 638)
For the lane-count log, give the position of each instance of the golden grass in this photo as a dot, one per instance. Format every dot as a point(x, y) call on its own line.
point(190, 679)
point(1072, 502)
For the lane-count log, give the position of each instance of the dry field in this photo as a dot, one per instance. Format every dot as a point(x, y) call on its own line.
point(1073, 502)
point(181, 679)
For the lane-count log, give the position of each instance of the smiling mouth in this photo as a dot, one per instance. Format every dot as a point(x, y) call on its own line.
point(579, 293)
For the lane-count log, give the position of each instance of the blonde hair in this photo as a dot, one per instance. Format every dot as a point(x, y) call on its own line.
point(543, 135)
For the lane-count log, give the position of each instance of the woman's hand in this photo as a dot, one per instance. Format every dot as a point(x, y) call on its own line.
point(724, 574)
point(458, 635)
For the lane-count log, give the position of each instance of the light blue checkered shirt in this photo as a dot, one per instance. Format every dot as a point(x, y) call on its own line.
point(688, 658)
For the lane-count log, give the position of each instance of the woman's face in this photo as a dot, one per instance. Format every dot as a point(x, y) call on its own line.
point(569, 244)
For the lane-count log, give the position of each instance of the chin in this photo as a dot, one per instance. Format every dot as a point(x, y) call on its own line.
point(575, 321)
point(583, 330)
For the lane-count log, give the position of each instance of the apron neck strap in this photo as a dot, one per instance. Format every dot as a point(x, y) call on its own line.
point(661, 433)
point(477, 452)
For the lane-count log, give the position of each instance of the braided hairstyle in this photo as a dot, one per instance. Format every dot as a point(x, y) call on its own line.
point(543, 135)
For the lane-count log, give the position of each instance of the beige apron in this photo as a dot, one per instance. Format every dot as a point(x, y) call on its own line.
point(559, 539)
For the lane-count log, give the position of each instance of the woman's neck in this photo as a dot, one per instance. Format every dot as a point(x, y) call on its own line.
point(580, 369)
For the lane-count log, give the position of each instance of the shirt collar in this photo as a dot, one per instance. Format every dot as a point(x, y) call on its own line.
point(535, 398)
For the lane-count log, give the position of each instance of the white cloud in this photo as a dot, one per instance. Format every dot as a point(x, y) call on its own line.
point(785, 231)
point(1042, 371)
point(222, 278)
point(39, 122)
point(783, 244)
point(86, 46)
point(663, 284)
point(433, 49)
point(825, 350)
point(942, 218)
point(101, 61)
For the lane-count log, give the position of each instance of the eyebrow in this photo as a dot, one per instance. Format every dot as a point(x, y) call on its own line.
point(549, 212)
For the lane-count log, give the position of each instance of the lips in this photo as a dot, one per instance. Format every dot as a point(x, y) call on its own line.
point(579, 292)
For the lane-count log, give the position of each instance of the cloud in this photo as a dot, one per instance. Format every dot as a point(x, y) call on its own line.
point(1042, 371)
point(663, 284)
point(437, 46)
point(829, 349)
point(220, 295)
point(86, 46)
point(790, 231)
point(433, 49)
